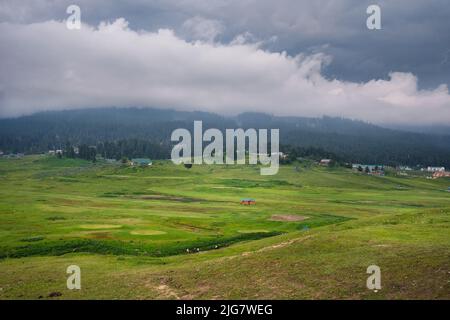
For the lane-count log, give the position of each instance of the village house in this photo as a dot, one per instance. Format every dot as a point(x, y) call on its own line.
point(280, 155)
point(435, 169)
point(441, 174)
point(325, 162)
point(141, 162)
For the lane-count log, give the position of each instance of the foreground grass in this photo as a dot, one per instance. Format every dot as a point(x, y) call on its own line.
point(130, 231)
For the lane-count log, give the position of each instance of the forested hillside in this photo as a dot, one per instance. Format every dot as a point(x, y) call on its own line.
point(133, 132)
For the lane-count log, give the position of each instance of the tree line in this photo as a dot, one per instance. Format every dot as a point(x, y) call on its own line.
point(117, 133)
point(84, 151)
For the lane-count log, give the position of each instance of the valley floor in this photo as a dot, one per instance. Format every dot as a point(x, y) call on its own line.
point(167, 232)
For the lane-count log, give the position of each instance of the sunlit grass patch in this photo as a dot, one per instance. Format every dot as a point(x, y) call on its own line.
point(147, 232)
point(100, 226)
point(253, 231)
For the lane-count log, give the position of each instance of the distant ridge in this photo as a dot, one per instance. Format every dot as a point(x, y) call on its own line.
point(351, 140)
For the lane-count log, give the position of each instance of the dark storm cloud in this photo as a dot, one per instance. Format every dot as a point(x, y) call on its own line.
point(415, 35)
point(286, 57)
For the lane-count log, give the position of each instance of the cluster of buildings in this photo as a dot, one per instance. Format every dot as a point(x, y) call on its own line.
point(437, 172)
point(441, 174)
point(373, 169)
point(379, 169)
point(434, 169)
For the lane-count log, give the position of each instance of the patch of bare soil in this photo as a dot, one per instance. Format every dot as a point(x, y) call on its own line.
point(287, 217)
point(167, 292)
point(198, 292)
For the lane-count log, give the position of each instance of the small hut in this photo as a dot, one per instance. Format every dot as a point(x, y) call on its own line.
point(248, 201)
point(325, 162)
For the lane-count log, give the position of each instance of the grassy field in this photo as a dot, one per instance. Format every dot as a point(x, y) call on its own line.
point(167, 232)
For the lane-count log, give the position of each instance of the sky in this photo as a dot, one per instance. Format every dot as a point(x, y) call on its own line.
point(284, 57)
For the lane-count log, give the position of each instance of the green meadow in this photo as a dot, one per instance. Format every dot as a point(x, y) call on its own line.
point(168, 232)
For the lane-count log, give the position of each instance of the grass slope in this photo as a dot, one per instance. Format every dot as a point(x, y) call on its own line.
point(170, 232)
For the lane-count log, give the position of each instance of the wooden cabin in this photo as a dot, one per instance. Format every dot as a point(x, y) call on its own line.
point(248, 201)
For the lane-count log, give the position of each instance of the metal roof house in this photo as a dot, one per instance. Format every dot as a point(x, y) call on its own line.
point(142, 162)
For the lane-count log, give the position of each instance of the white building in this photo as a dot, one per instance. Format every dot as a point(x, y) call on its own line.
point(325, 162)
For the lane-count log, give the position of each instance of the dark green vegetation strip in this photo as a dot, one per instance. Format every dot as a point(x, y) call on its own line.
point(56, 248)
point(32, 239)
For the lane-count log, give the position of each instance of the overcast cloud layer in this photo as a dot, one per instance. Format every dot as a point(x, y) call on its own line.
point(221, 56)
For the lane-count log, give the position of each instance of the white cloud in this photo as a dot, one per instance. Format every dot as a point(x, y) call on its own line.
point(198, 28)
point(47, 67)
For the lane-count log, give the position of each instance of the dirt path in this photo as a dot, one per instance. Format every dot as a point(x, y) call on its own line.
point(276, 246)
point(167, 292)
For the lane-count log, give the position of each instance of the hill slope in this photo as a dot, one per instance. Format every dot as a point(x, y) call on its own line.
point(351, 141)
point(128, 229)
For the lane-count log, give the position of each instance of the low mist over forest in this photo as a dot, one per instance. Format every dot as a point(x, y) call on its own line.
point(133, 132)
